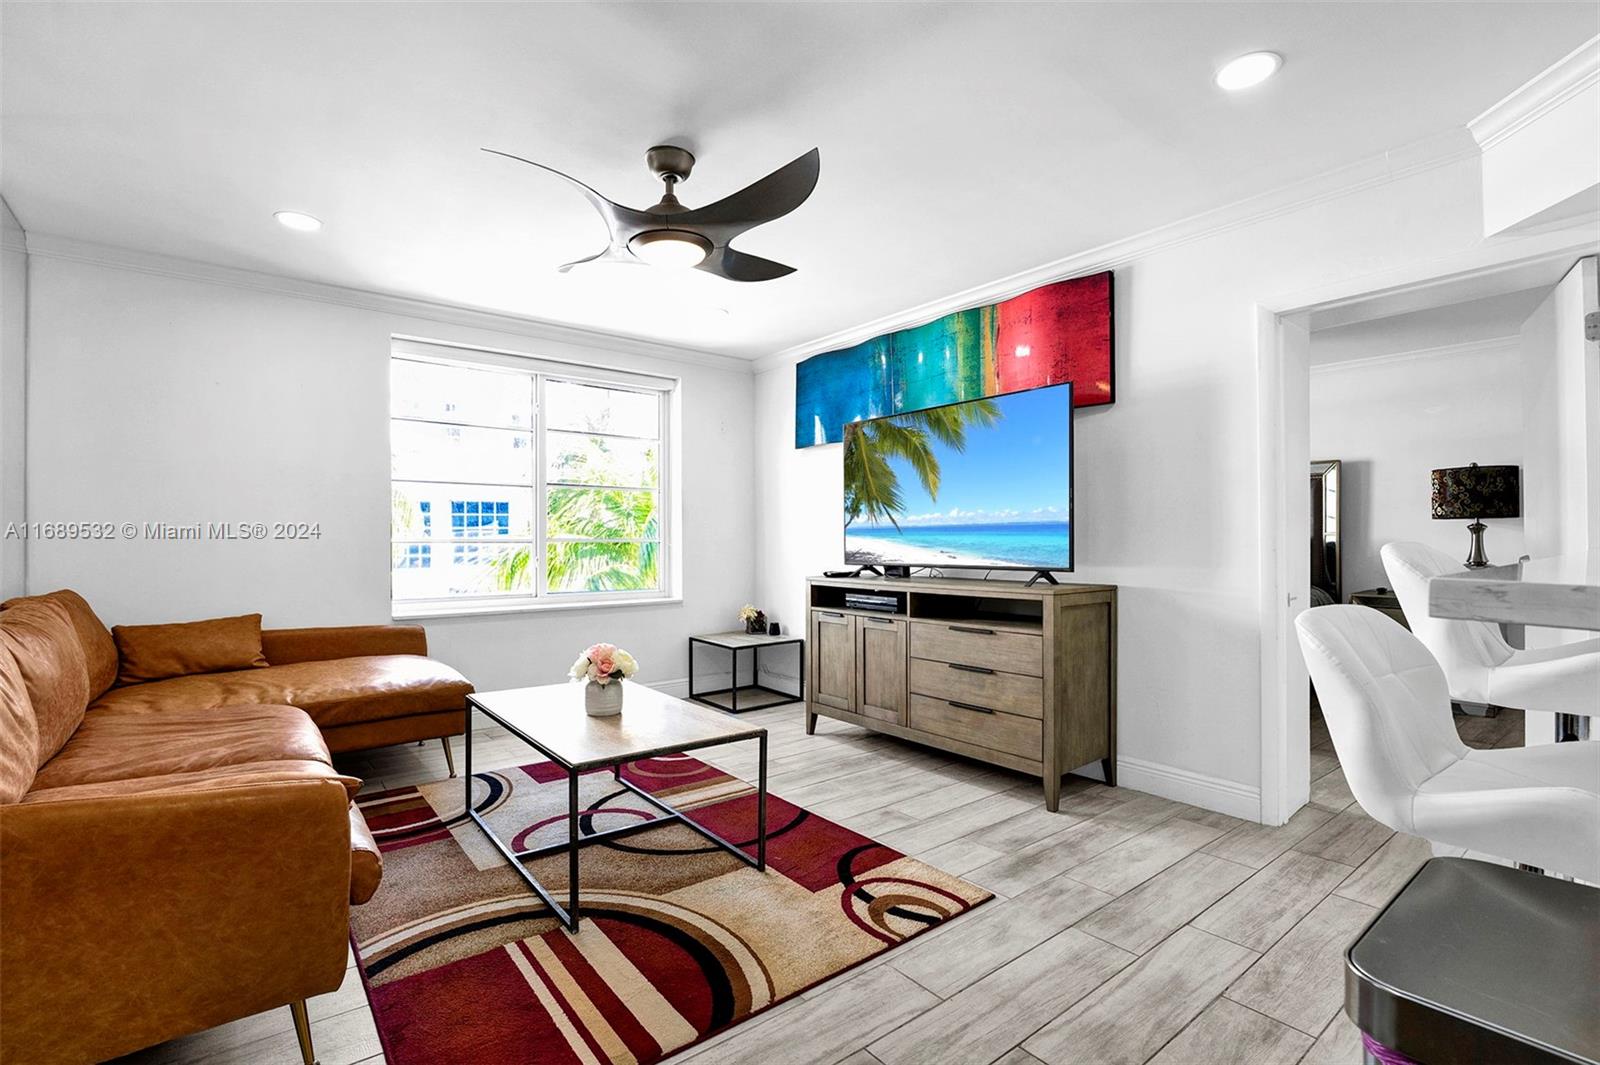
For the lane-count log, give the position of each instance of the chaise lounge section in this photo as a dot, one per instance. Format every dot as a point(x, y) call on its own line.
point(179, 853)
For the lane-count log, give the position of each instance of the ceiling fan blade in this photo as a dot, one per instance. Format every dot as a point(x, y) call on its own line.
point(738, 266)
point(772, 197)
point(622, 222)
point(612, 254)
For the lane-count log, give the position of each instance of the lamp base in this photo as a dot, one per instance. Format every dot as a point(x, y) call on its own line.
point(1476, 559)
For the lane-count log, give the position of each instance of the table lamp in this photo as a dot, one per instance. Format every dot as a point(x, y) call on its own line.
point(1477, 492)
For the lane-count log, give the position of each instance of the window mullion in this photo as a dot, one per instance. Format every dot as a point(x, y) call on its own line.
point(541, 503)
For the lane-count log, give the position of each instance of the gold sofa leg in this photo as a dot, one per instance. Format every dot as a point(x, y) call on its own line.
point(449, 757)
point(302, 1031)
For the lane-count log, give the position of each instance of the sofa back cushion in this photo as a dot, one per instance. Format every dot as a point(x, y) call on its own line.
point(19, 731)
point(99, 650)
point(41, 638)
point(155, 652)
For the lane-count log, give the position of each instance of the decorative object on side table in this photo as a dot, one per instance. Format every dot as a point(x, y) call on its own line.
point(1477, 492)
point(755, 621)
point(602, 668)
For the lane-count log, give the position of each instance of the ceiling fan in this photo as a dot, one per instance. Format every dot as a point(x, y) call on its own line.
point(670, 234)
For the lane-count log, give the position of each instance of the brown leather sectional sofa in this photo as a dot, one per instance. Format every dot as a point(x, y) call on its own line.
point(180, 852)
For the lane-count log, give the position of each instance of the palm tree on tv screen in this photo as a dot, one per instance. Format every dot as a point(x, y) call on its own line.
point(871, 487)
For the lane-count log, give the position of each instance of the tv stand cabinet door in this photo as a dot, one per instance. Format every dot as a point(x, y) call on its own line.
point(833, 660)
point(881, 669)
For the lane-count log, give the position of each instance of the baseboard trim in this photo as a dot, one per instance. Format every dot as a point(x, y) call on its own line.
point(1197, 789)
point(678, 689)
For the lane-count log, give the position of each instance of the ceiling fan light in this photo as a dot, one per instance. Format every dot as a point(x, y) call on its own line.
point(671, 247)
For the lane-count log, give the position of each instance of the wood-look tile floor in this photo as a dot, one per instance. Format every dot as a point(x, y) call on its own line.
point(1126, 928)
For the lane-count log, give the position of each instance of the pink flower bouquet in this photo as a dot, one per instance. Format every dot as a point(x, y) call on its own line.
point(603, 663)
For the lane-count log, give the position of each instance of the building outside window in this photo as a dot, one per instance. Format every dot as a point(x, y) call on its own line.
point(518, 482)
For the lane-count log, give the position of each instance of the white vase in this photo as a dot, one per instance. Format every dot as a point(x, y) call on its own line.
point(602, 700)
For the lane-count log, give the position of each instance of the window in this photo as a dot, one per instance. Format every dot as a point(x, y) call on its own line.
point(514, 480)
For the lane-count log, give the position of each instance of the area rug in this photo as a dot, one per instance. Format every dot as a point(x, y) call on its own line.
point(678, 940)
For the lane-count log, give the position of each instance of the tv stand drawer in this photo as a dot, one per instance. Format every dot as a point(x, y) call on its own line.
point(977, 644)
point(997, 731)
point(1008, 692)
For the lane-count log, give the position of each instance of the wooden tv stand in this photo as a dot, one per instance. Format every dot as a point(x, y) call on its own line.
point(1020, 677)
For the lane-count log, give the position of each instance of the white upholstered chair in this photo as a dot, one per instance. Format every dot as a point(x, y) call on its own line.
point(1478, 664)
point(1388, 711)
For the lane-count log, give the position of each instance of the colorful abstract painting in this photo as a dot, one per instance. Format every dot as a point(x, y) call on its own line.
point(1048, 336)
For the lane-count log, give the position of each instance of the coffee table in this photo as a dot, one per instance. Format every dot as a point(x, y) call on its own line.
point(551, 720)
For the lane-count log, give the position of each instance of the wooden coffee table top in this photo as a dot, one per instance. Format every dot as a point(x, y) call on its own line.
point(551, 718)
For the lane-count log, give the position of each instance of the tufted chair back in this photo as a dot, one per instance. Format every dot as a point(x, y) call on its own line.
point(1386, 704)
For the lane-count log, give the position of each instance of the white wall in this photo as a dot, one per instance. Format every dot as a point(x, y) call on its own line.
point(1167, 502)
point(1561, 403)
point(1393, 419)
point(160, 398)
point(13, 373)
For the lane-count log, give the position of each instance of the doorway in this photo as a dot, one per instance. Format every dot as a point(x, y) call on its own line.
point(1284, 350)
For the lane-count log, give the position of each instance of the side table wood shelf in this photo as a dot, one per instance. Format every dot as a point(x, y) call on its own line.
point(738, 698)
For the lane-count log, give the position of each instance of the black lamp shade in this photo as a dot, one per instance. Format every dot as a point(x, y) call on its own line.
point(1477, 492)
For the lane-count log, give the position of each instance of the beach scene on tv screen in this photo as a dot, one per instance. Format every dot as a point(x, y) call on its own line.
point(982, 483)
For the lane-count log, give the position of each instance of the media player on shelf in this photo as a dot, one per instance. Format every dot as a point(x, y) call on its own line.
point(884, 604)
point(984, 484)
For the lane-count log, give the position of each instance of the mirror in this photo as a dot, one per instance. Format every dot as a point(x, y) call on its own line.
point(1327, 575)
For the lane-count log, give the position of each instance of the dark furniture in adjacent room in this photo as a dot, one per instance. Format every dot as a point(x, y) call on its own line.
point(1382, 600)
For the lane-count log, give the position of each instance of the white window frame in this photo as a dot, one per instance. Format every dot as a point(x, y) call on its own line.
point(542, 369)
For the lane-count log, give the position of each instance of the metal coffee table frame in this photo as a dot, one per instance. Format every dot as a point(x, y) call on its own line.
point(569, 914)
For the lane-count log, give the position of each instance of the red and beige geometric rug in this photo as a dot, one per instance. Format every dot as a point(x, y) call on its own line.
point(678, 940)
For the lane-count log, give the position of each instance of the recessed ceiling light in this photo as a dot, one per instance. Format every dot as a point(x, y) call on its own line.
point(295, 220)
point(1248, 70)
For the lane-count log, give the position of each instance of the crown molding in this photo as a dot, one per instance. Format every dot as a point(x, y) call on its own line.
point(1547, 90)
point(1428, 154)
point(67, 249)
point(1467, 347)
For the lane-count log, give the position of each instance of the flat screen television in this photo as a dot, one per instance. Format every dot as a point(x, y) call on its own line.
point(982, 484)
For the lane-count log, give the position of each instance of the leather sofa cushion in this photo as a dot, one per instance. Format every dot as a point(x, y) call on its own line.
point(283, 646)
point(122, 745)
point(155, 652)
point(366, 863)
point(19, 732)
point(40, 636)
point(99, 650)
point(338, 692)
point(216, 778)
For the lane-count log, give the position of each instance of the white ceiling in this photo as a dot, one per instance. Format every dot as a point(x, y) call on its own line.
point(960, 143)
point(1469, 322)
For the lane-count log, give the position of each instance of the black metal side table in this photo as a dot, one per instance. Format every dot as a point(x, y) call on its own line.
point(1473, 962)
point(756, 695)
